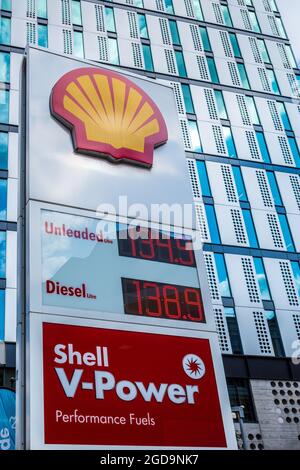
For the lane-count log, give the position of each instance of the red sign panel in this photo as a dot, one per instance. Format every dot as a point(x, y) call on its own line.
point(121, 388)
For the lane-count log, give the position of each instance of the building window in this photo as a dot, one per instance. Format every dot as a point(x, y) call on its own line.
point(229, 142)
point(254, 22)
point(4, 67)
point(233, 329)
point(212, 70)
point(226, 15)
point(250, 228)
point(143, 26)
point(235, 45)
point(252, 110)
point(291, 56)
point(284, 116)
point(243, 76)
point(240, 395)
point(274, 333)
point(2, 315)
point(224, 286)
point(4, 106)
point(203, 177)
point(3, 199)
point(42, 35)
point(3, 150)
point(180, 64)
point(174, 33)
point(273, 81)
point(5, 5)
point(41, 8)
point(221, 104)
point(5, 31)
point(147, 57)
point(280, 27)
point(239, 181)
point(286, 233)
point(110, 20)
point(169, 6)
point(195, 137)
point(198, 10)
point(263, 146)
point(205, 39)
point(263, 51)
point(76, 13)
point(212, 224)
point(262, 279)
point(296, 272)
point(2, 254)
point(188, 100)
point(113, 51)
point(295, 150)
point(78, 44)
point(274, 188)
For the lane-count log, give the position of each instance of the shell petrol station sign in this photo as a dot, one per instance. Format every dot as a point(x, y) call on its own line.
point(117, 341)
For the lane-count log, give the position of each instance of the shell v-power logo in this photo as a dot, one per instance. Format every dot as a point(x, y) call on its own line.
point(108, 115)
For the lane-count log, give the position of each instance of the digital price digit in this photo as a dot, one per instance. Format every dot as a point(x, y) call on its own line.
point(154, 299)
point(153, 245)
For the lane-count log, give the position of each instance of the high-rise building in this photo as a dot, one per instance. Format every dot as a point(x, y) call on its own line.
point(237, 89)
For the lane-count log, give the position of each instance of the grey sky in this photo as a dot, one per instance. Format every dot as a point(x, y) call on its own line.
point(290, 11)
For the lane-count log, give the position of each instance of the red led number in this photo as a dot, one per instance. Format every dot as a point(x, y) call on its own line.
point(154, 299)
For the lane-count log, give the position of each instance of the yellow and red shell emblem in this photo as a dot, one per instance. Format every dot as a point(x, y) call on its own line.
point(108, 115)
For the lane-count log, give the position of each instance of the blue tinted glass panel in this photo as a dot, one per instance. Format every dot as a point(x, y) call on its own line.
point(198, 10)
point(5, 31)
point(195, 137)
point(229, 142)
point(174, 33)
point(41, 7)
point(188, 101)
point(233, 330)
point(263, 51)
point(262, 279)
point(3, 150)
point(212, 224)
point(148, 57)
point(4, 67)
point(274, 188)
point(295, 150)
point(3, 199)
point(169, 6)
point(250, 228)
point(252, 110)
point(78, 44)
point(5, 5)
point(235, 45)
point(273, 81)
point(254, 21)
point(4, 106)
point(113, 51)
point(110, 19)
point(76, 13)
point(221, 104)
point(224, 285)
point(180, 64)
point(203, 177)
point(143, 26)
point(284, 116)
point(286, 233)
point(296, 271)
point(263, 146)
point(42, 35)
point(238, 177)
point(2, 254)
point(291, 56)
point(273, 5)
point(205, 39)
point(2, 314)
point(243, 75)
point(226, 15)
point(280, 27)
point(212, 69)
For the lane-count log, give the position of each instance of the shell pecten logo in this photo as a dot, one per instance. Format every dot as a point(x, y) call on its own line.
point(109, 115)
